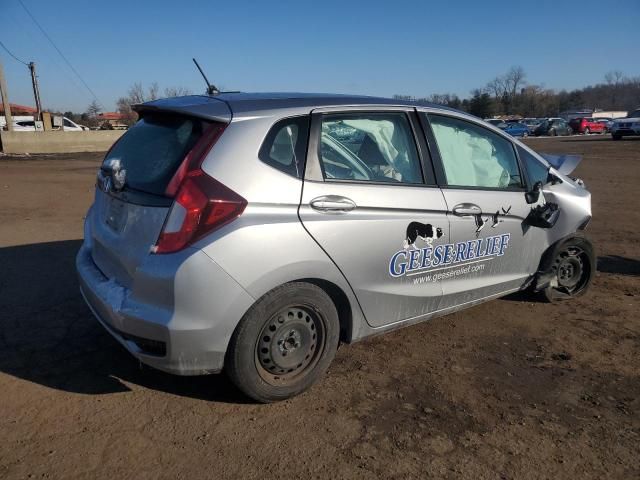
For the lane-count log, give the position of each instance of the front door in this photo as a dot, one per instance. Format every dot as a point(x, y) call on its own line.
point(369, 200)
point(493, 251)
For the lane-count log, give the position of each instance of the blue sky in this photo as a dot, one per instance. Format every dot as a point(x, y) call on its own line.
point(349, 46)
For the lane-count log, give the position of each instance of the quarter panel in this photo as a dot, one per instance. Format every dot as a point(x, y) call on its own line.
point(267, 246)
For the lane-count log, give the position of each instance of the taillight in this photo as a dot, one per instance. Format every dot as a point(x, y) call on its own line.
point(201, 203)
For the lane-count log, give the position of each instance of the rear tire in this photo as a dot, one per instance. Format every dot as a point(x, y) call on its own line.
point(587, 131)
point(552, 133)
point(574, 264)
point(616, 137)
point(284, 343)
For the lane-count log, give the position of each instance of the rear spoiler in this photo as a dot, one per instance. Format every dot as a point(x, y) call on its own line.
point(205, 107)
point(565, 164)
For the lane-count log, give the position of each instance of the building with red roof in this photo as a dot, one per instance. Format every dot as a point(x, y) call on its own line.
point(19, 109)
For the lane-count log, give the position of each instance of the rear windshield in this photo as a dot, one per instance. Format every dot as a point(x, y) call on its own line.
point(152, 150)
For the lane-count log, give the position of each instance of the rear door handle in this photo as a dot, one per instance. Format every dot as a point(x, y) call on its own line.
point(332, 204)
point(466, 209)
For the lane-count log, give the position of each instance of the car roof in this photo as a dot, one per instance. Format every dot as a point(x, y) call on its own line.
point(227, 104)
point(269, 100)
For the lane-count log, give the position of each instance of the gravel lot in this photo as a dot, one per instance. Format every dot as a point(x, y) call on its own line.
point(511, 389)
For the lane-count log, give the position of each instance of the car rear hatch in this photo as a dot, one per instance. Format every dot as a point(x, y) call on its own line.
point(135, 190)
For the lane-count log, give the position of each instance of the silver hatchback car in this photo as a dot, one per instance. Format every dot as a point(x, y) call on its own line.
point(254, 232)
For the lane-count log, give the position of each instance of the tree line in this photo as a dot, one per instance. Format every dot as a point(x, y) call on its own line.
point(505, 95)
point(137, 93)
point(511, 94)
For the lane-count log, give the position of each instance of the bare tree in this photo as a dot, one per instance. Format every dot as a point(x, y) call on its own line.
point(496, 87)
point(136, 93)
point(176, 91)
point(94, 109)
point(514, 80)
point(124, 108)
point(614, 77)
point(153, 92)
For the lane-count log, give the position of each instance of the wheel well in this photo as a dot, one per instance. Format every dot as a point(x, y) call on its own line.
point(340, 300)
point(550, 253)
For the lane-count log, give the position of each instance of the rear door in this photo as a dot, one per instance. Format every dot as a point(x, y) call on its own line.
point(478, 170)
point(370, 201)
point(131, 199)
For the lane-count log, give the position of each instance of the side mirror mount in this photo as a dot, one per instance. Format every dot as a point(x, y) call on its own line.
point(533, 195)
point(553, 179)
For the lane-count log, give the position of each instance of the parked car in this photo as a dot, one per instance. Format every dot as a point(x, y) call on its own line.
point(23, 126)
point(628, 126)
point(496, 122)
point(516, 129)
point(204, 249)
point(112, 126)
point(607, 122)
point(71, 126)
point(531, 123)
point(553, 127)
point(586, 125)
point(29, 126)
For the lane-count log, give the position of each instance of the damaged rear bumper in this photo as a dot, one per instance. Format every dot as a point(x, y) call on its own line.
point(190, 337)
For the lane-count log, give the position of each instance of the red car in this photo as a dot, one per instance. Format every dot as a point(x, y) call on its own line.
point(587, 125)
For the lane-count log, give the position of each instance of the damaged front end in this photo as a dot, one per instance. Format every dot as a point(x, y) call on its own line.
point(563, 209)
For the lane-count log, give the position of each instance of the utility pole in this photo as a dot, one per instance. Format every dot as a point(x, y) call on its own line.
point(36, 89)
point(5, 100)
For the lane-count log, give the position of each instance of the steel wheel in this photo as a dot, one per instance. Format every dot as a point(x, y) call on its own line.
point(284, 343)
point(289, 344)
point(572, 269)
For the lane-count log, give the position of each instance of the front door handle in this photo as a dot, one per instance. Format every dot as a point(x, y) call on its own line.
point(466, 209)
point(332, 204)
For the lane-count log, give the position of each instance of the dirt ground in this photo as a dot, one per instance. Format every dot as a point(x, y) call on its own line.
point(511, 389)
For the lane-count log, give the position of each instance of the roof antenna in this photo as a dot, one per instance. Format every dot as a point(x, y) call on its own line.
point(211, 89)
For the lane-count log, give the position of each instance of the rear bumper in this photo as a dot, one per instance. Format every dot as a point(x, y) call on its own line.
point(185, 335)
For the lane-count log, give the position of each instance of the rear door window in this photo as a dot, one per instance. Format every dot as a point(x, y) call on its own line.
point(152, 150)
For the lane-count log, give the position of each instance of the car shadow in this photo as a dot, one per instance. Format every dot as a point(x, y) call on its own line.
point(619, 265)
point(523, 296)
point(49, 336)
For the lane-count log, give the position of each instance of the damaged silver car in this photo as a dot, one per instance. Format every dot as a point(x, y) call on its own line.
point(254, 232)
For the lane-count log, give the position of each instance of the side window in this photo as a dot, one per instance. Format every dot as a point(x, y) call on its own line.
point(376, 147)
point(285, 146)
point(536, 170)
point(473, 156)
point(67, 123)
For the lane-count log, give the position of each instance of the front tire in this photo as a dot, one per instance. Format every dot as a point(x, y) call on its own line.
point(587, 131)
point(284, 343)
point(616, 137)
point(573, 263)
